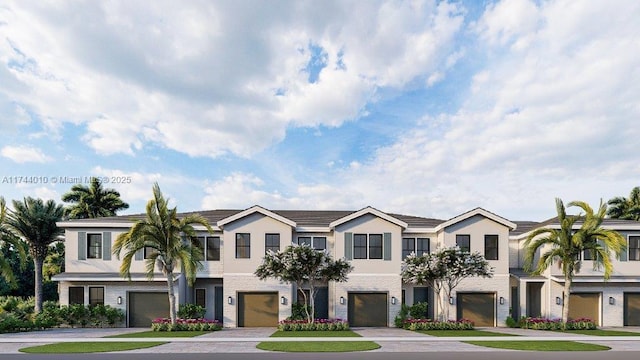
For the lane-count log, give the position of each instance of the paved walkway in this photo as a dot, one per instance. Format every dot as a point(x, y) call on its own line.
point(244, 340)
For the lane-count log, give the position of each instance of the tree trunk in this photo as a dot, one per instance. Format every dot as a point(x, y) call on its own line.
point(37, 262)
point(172, 297)
point(312, 300)
point(565, 300)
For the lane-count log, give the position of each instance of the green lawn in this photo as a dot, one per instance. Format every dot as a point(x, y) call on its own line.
point(460, 333)
point(343, 333)
point(540, 345)
point(83, 347)
point(318, 346)
point(601, 332)
point(160, 334)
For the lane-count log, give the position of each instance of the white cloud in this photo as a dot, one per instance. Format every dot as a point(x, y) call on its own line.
point(24, 154)
point(201, 78)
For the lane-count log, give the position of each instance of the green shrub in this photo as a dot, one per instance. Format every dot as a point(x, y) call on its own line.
point(510, 322)
point(317, 325)
point(298, 311)
point(191, 311)
point(399, 320)
point(164, 324)
point(418, 310)
point(427, 324)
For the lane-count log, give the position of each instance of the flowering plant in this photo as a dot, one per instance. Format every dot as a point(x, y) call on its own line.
point(316, 325)
point(557, 324)
point(428, 324)
point(164, 324)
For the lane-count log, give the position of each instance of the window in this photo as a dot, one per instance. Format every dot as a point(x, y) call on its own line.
point(423, 246)
point(243, 246)
point(201, 297)
point(76, 295)
point(464, 242)
point(149, 252)
point(319, 242)
point(375, 246)
point(94, 246)
point(213, 248)
point(271, 242)
point(96, 296)
point(359, 246)
point(408, 247)
point(419, 246)
point(491, 247)
point(634, 248)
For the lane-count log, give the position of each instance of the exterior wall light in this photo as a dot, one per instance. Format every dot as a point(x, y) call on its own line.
point(612, 300)
point(283, 300)
point(558, 300)
point(119, 300)
point(501, 300)
point(341, 300)
point(451, 300)
point(229, 300)
point(393, 300)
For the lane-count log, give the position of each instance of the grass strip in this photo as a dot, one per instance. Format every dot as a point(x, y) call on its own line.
point(318, 346)
point(601, 332)
point(160, 334)
point(342, 333)
point(461, 333)
point(83, 347)
point(554, 345)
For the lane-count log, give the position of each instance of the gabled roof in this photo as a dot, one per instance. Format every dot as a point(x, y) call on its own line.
point(252, 210)
point(365, 211)
point(477, 211)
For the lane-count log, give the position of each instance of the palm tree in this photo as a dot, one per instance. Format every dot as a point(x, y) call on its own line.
point(568, 243)
point(168, 244)
point(626, 209)
point(7, 238)
point(35, 222)
point(93, 201)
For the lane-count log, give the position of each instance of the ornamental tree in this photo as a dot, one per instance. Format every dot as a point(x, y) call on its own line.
point(443, 271)
point(302, 265)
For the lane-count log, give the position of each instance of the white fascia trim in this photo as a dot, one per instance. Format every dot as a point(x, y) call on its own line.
point(474, 212)
point(70, 224)
point(596, 279)
point(556, 226)
point(202, 228)
point(365, 211)
point(420, 231)
point(255, 209)
point(311, 229)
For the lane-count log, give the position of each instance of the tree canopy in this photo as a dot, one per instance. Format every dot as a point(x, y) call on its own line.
point(92, 201)
point(576, 236)
point(625, 208)
point(302, 265)
point(443, 270)
point(166, 241)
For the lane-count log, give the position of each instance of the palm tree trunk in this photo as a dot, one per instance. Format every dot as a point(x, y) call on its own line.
point(565, 299)
point(38, 261)
point(172, 298)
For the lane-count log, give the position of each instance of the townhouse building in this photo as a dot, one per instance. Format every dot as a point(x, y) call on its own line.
point(374, 242)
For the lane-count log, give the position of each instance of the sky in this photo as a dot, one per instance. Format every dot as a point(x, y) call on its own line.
point(426, 108)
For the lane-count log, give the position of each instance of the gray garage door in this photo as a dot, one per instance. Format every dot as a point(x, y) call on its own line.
point(632, 309)
point(585, 305)
point(477, 307)
point(367, 309)
point(258, 309)
point(147, 306)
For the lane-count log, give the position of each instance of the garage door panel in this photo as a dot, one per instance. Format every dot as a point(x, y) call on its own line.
point(258, 309)
point(632, 309)
point(367, 309)
point(585, 305)
point(477, 307)
point(144, 307)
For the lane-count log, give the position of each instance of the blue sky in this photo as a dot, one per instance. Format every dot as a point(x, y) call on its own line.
point(427, 108)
